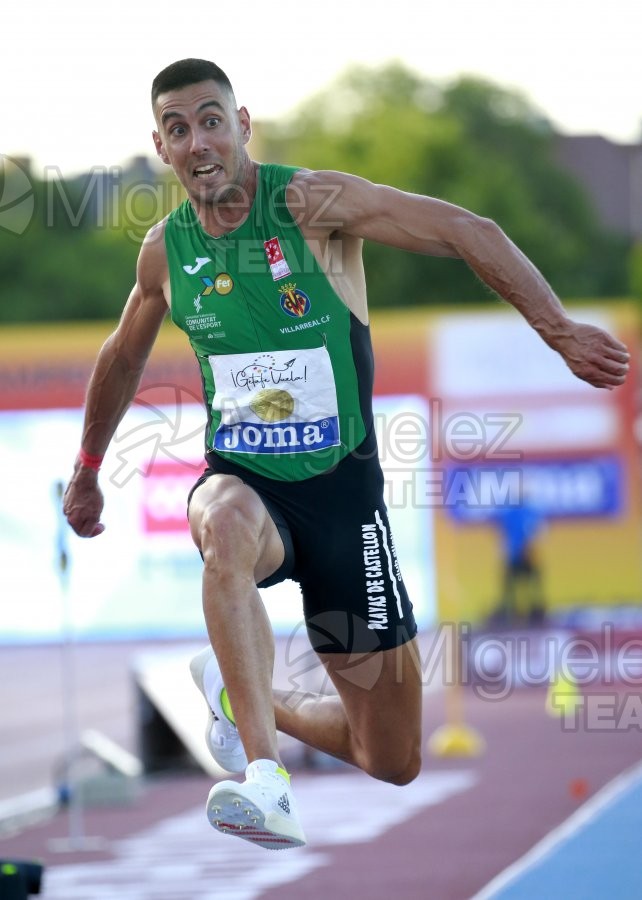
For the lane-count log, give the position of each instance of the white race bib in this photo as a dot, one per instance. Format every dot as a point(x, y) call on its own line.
point(282, 401)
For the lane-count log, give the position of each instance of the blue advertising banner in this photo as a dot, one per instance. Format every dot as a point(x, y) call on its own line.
point(564, 488)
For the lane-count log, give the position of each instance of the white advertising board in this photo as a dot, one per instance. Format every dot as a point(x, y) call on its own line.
point(142, 576)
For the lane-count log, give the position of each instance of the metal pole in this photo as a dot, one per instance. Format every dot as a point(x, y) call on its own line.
point(76, 839)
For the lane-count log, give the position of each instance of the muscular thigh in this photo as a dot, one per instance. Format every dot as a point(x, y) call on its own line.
point(224, 504)
point(337, 534)
point(381, 694)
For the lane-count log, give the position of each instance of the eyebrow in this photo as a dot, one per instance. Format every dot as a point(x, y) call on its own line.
point(172, 114)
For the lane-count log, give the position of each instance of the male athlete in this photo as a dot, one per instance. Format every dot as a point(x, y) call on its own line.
point(261, 267)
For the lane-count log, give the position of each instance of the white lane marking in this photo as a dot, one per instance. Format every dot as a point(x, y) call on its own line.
point(182, 857)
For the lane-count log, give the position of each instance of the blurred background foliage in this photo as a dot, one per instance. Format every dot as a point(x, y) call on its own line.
point(471, 142)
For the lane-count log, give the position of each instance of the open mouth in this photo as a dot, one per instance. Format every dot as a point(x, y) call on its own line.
point(206, 171)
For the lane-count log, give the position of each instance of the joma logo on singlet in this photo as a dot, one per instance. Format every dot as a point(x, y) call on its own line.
point(295, 437)
point(277, 437)
point(200, 262)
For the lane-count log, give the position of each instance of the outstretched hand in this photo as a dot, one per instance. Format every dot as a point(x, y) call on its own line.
point(83, 503)
point(593, 355)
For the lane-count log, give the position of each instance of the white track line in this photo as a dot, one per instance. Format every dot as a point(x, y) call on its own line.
point(576, 822)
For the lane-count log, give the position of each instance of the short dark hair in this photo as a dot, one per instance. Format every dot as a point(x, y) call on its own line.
point(186, 72)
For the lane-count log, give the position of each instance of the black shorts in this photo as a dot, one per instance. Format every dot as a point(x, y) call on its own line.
point(339, 547)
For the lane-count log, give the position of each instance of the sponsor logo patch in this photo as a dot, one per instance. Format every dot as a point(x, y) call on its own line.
point(209, 286)
point(284, 401)
point(277, 262)
point(200, 262)
point(294, 301)
point(223, 283)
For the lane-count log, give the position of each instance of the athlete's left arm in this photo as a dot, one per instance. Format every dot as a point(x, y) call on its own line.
point(433, 227)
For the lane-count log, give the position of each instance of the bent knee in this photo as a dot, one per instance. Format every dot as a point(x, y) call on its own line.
point(221, 522)
point(400, 772)
point(227, 537)
point(231, 527)
point(224, 508)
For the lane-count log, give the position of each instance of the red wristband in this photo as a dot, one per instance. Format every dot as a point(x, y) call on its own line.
point(91, 462)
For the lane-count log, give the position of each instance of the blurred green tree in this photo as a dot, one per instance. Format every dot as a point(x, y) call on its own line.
point(472, 143)
point(76, 258)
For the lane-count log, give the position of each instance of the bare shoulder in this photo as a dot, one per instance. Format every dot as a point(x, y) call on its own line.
point(313, 180)
point(152, 251)
point(353, 206)
point(335, 201)
point(152, 268)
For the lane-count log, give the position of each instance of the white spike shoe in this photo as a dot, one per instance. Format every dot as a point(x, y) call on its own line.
point(221, 734)
point(261, 810)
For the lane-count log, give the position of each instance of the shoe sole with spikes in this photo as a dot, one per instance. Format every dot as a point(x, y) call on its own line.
point(232, 810)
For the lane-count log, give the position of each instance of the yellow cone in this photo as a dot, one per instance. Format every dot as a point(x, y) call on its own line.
point(564, 696)
point(456, 740)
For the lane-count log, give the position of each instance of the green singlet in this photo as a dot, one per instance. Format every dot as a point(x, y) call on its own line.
point(287, 369)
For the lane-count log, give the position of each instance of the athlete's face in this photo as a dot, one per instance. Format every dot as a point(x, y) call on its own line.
point(203, 136)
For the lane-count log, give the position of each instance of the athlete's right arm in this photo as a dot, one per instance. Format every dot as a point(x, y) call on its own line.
point(115, 379)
